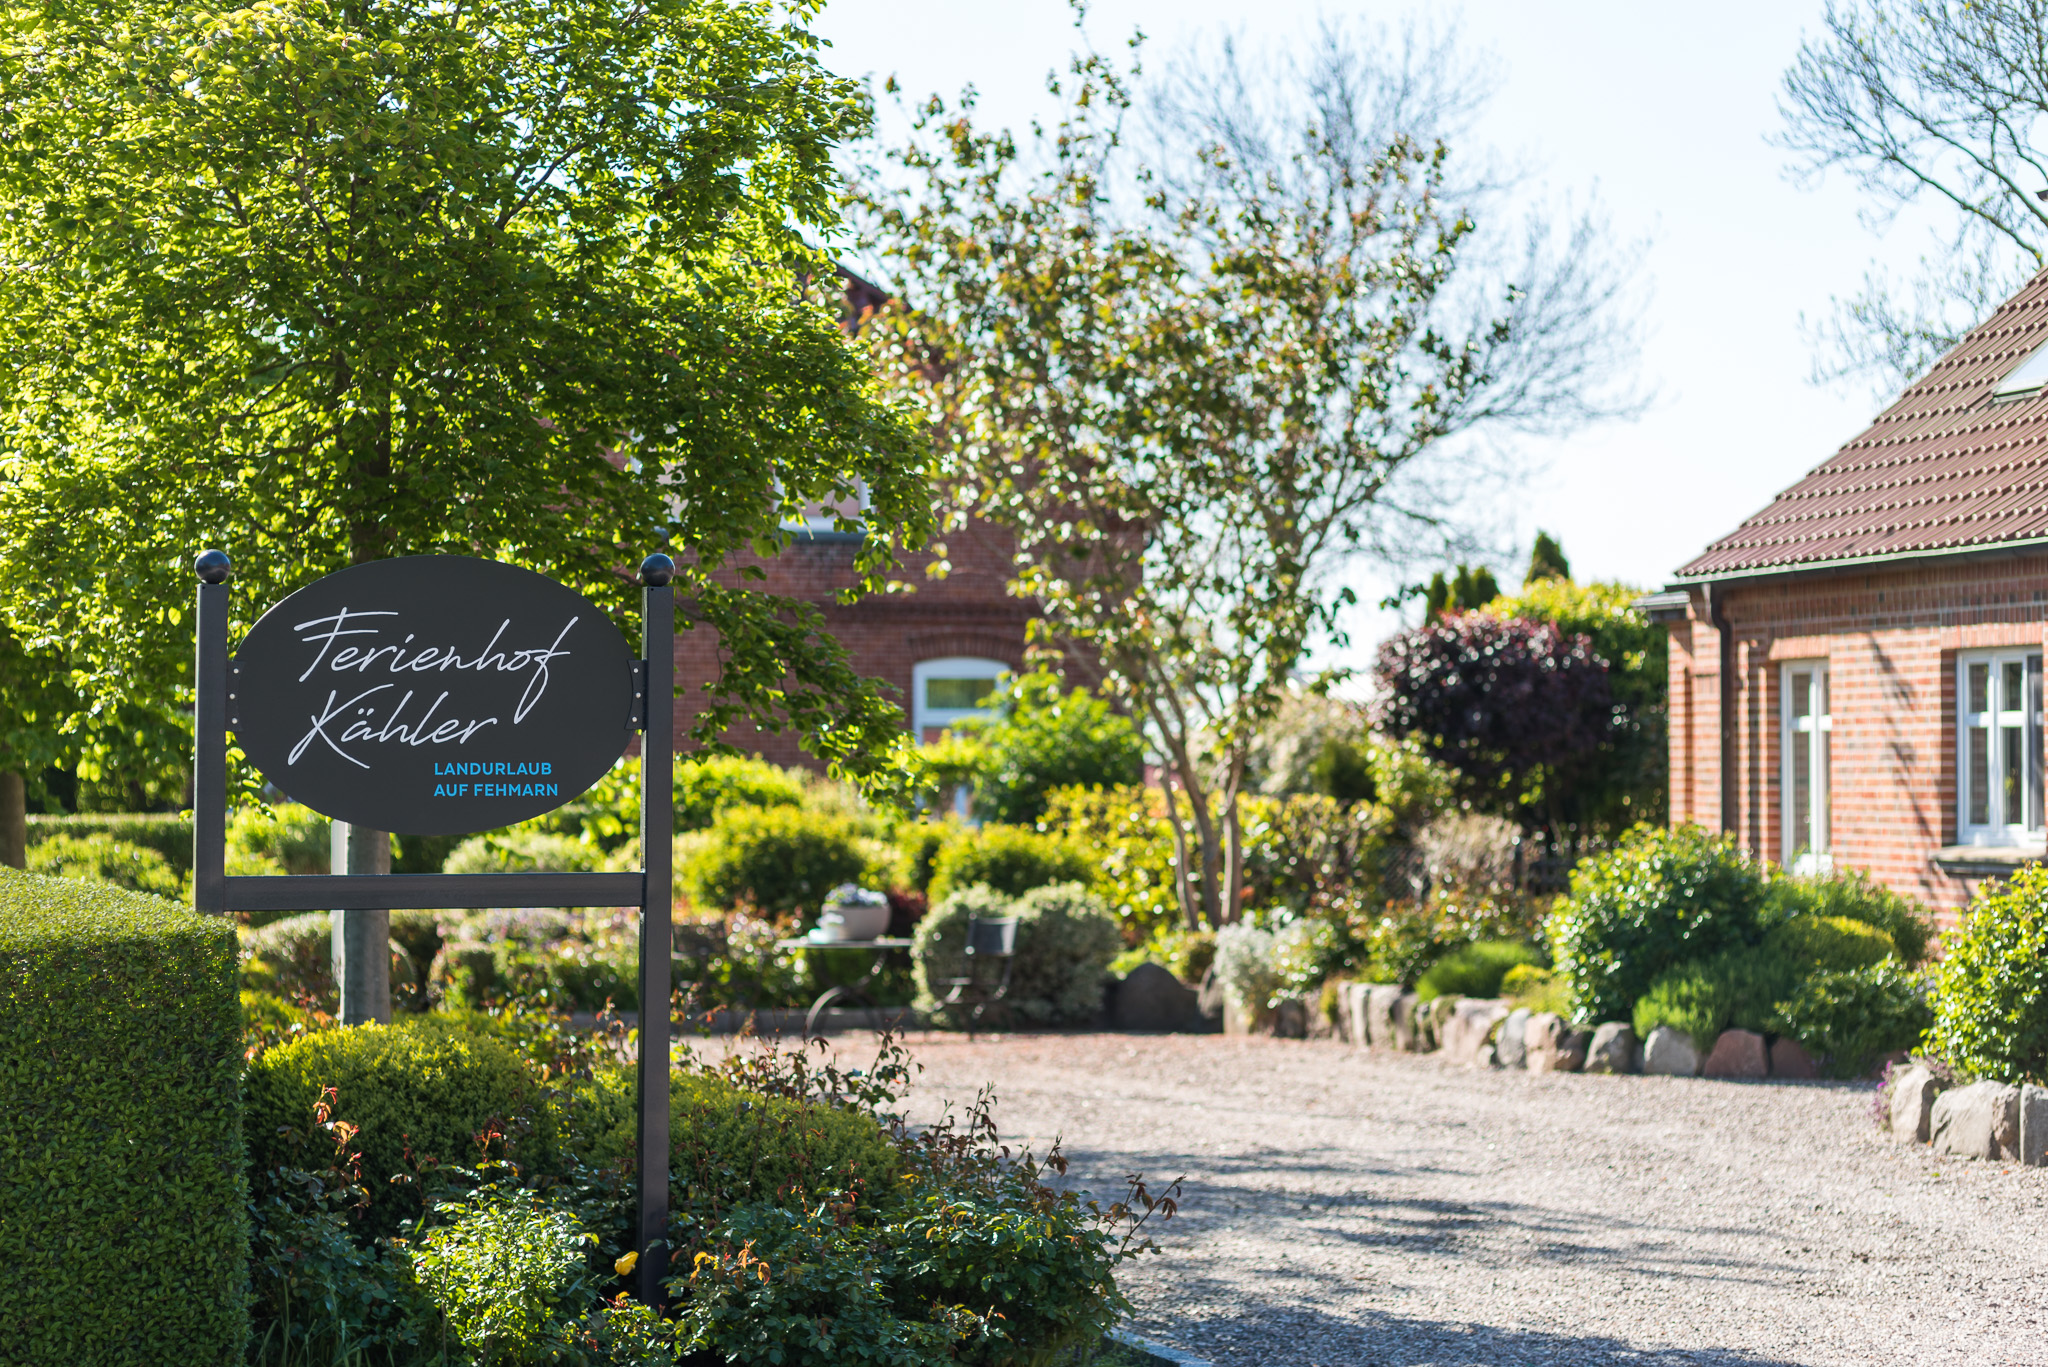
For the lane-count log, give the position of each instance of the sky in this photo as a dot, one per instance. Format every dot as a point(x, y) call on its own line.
point(1666, 110)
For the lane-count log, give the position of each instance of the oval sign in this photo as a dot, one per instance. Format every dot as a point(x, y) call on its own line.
point(433, 695)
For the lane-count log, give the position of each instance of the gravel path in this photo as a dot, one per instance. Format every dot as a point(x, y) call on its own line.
point(1352, 1208)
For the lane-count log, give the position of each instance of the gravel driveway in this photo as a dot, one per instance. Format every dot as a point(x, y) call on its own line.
point(1352, 1208)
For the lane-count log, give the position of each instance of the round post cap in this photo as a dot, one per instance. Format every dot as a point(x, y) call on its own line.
point(211, 567)
point(657, 570)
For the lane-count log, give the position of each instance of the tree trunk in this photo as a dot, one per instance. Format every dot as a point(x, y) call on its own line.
point(1233, 846)
point(361, 945)
point(1182, 888)
point(13, 821)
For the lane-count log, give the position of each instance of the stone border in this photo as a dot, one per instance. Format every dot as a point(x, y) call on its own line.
point(1156, 1354)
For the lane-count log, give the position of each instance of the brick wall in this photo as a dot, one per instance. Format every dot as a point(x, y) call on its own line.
point(967, 612)
point(1890, 638)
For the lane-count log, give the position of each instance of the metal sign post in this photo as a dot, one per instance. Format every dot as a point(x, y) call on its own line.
point(249, 694)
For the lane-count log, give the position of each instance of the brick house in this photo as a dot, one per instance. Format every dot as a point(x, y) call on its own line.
point(1856, 670)
point(940, 647)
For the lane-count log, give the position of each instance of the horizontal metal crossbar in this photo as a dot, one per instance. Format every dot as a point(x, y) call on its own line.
point(393, 891)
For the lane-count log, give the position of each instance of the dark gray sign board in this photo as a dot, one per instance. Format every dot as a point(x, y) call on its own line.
point(433, 695)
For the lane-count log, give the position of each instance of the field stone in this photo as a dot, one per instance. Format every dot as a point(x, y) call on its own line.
point(1511, 1046)
point(1789, 1059)
point(1737, 1054)
point(1669, 1052)
point(1549, 1046)
point(2034, 1126)
point(1981, 1120)
point(1470, 1026)
point(1613, 1049)
point(1151, 998)
point(1290, 1019)
point(1379, 1015)
point(1913, 1091)
point(1351, 998)
point(1407, 1021)
point(1432, 1017)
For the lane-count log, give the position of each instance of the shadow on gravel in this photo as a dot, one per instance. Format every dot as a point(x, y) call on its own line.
point(1300, 1336)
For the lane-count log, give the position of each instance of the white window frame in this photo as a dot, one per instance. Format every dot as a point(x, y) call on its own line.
point(1989, 822)
point(1806, 732)
point(924, 717)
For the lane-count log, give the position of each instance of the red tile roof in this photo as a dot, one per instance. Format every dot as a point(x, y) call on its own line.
point(1941, 470)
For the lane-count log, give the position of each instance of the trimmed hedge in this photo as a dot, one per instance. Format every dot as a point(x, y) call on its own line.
point(124, 1233)
point(168, 833)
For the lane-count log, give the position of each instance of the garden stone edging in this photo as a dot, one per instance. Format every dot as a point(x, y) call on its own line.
point(1913, 1092)
point(1981, 1120)
point(1155, 1354)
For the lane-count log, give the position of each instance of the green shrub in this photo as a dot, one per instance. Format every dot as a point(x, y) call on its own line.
point(1849, 1019)
point(1402, 939)
point(288, 837)
point(1010, 859)
point(1475, 970)
point(123, 1194)
point(510, 1274)
point(1247, 966)
point(522, 851)
point(1827, 944)
point(1037, 739)
point(1535, 989)
point(1660, 898)
point(103, 859)
point(1990, 989)
point(1306, 951)
point(1126, 834)
point(727, 1145)
point(781, 859)
point(1853, 895)
point(293, 958)
point(168, 833)
point(1065, 940)
point(918, 844)
point(420, 1085)
point(1737, 987)
point(708, 785)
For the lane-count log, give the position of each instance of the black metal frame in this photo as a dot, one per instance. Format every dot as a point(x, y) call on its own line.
point(214, 892)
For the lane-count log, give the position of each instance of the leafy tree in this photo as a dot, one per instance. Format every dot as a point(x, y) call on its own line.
point(1038, 739)
point(1468, 590)
point(1506, 703)
point(1927, 101)
point(1194, 392)
point(32, 697)
point(1546, 561)
point(325, 282)
point(1626, 777)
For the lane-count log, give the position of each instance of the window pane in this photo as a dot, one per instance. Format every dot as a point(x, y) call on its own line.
point(2009, 694)
point(1980, 687)
point(1802, 792)
point(1802, 695)
point(957, 692)
point(1979, 777)
point(2012, 778)
point(2033, 742)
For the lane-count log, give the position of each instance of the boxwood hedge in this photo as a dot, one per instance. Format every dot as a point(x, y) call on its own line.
point(123, 1201)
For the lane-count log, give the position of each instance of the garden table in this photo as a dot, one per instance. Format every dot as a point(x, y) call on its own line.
point(845, 992)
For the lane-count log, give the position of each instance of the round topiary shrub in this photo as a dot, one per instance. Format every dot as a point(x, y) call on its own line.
point(1011, 859)
point(1065, 940)
point(422, 1086)
point(293, 958)
point(1989, 992)
point(1660, 898)
point(1852, 895)
point(783, 860)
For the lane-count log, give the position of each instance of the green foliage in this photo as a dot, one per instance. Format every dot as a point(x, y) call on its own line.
point(1660, 898)
point(1546, 561)
point(1307, 853)
point(509, 1273)
point(1827, 944)
point(1247, 964)
point(285, 838)
point(781, 860)
point(523, 852)
point(1468, 590)
point(103, 859)
point(1851, 1018)
point(1037, 739)
point(1126, 832)
point(1744, 986)
point(727, 1145)
point(1855, 895)
point(1476, 970)
point(293, 957)
point(705, 785)
point(1412, 788)
point(1010, 859)
point(918, 844)
point(1400, 940)
point(1698, 999)
point(784, 1288)
point(121, 1150)
point(362, 264)
point(1065, 941)
point(1989, 990)
point(168, 833)
point(1307, 951)
point(1342, 771)
point(421, 1092)
point(1536, 989)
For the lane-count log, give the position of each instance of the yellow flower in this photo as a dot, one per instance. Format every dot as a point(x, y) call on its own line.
point(624, 1266)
